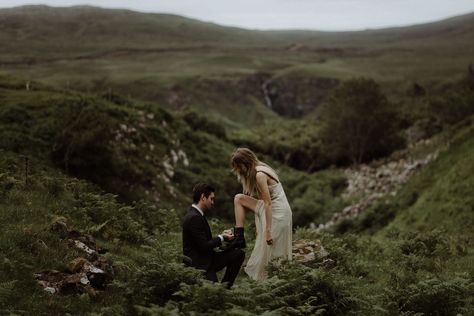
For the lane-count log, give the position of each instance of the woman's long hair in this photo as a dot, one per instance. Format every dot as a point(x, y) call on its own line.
point(243, 162)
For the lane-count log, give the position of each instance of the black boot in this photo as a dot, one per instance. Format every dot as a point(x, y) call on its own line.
point(239, 240)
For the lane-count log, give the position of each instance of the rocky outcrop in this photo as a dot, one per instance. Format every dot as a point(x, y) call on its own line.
point(82, 276)
point(295, 97)
point(133, 141)
point(289, 96)
point(305, 250)
point(85, 274)
point(368, 183)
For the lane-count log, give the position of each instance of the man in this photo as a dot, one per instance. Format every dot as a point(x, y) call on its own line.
point(198, 243)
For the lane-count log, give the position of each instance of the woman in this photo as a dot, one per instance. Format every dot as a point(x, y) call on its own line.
point(273, 217)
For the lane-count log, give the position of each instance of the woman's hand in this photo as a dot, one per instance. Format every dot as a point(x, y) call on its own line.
point(268, 237)
point(228, 235)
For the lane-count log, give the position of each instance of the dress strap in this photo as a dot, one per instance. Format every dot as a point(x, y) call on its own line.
point(269, 175)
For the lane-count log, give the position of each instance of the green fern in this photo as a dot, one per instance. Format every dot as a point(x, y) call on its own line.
point(6, 290)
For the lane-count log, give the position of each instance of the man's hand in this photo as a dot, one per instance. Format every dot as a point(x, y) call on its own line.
point(228, 235)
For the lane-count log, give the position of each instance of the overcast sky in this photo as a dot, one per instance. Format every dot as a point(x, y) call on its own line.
point(290, 14)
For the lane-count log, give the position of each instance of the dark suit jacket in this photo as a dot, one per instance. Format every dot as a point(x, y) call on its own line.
point(198, 243)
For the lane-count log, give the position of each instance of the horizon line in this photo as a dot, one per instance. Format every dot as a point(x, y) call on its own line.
point(387, 27)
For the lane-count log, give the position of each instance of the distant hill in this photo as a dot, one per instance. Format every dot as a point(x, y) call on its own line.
point(451, 29)
point(88, 27)
point(80, 29)
point(179, 62)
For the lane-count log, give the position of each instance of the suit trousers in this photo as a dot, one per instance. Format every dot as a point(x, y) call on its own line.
point(232, 260)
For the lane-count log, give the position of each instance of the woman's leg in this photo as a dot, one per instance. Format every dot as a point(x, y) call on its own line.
point(242, 202)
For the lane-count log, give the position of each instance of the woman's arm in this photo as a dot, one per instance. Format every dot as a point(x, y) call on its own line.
point(264, 194)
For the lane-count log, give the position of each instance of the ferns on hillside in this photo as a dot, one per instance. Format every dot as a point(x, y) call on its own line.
point(435, 296)
point(6, 290)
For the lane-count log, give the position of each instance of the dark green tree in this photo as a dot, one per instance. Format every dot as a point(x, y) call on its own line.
point(359, 122)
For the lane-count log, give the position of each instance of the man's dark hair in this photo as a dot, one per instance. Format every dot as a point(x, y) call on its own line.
point(200, 189)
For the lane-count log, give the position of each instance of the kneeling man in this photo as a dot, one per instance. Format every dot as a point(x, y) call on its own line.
point(198, 243)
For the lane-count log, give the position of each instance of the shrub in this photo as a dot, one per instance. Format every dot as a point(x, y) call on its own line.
point(202, 123)
point(359, 122)
point(159, 277)
point(435, 297)
point(430, 244)
point(82, 143)
point(314, 198)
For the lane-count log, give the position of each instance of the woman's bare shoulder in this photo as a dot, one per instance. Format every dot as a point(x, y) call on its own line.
point(268, 171)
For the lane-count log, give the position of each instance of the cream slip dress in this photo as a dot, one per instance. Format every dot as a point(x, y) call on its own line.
point(281, 232)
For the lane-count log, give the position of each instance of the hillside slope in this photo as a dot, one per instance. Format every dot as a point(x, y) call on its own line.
point(85, 31)
point(184, 63)
point(436, 198)
point(138, 151)
point(51, 137)
point(403, 272)
point(442, 195)
point(459, 28)
point(80, 29)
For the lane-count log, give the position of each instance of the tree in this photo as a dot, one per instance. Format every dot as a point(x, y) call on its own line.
point(359, 122)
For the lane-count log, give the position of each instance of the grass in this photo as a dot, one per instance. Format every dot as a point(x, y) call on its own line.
point(398, 270)
point(409, 251)
point(435, 198)
point(444, 198)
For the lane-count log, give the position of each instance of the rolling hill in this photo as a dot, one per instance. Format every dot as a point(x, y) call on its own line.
point(75, 31)
point(450, 29)
point(84, 29)
point(179, 62)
